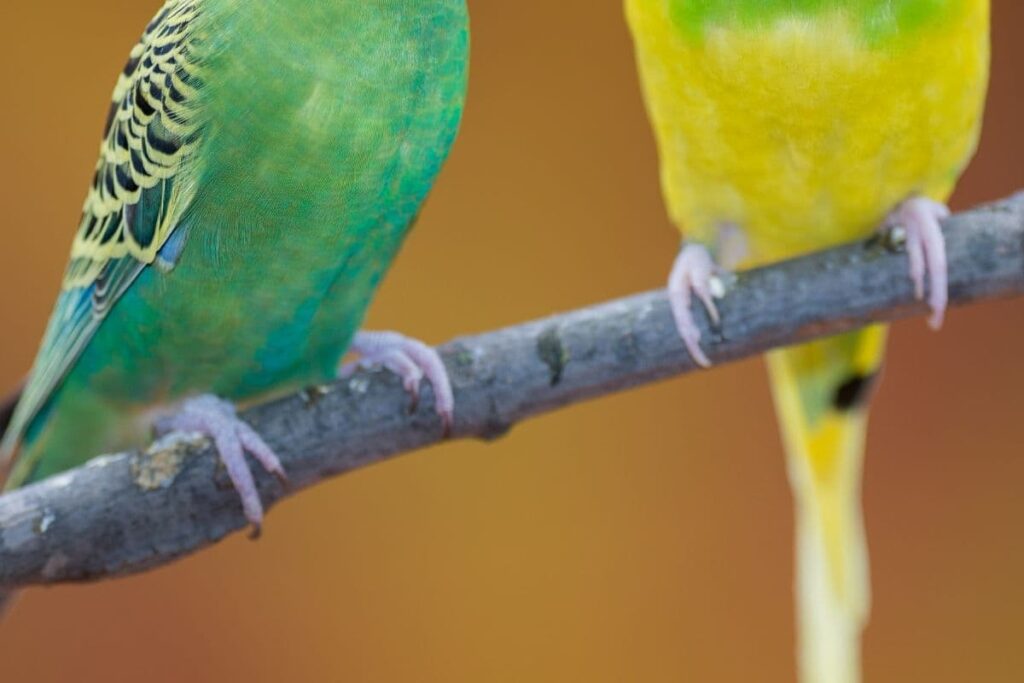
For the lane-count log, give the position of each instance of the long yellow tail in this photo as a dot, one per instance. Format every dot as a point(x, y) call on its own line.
point(821, 392)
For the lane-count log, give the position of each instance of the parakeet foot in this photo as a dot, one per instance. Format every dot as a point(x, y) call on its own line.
point(411, 360)
point(694, 272)
point(918, 221)
point(217, 419)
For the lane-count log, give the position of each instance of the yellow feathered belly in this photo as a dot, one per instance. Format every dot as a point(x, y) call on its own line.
point(802, 133)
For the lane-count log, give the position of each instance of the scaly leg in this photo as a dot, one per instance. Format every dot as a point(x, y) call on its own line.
point(411, 360)
point(694, 272)
point(918, 218)
point(217, 419)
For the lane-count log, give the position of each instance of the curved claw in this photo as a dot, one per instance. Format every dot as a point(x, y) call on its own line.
point(692, 274)
point(412, 361)
point(919, 217)
point(217, 419)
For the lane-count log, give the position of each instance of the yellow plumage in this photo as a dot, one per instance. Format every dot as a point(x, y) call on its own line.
point(801, 132)
point(825, 459)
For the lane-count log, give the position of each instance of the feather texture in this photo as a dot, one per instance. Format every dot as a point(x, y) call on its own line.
point(802, 124)
point(144, 182)
point(261, 165)
point(801, 131)
point(145, 175)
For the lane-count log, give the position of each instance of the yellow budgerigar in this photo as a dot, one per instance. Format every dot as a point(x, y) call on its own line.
point(786, 126)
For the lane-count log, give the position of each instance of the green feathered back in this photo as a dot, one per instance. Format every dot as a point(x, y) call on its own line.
point(288, 146)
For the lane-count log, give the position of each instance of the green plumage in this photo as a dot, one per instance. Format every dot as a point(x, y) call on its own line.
point(879, 20)
point(292, 145)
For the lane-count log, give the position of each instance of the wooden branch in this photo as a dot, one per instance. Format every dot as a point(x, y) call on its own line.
point(134, 511)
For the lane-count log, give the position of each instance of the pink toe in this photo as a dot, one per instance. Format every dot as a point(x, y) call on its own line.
point(926, 247)
point(696, 352)
point(691, 274)
point(437, 374)
point(939, 295)
point(232, 437)
point(938, 268)
point(915, 254)
point(703, 290)
point(412, 361)
point(230, 449)
point(687, 328)
point(398, 362)
point(264, 454)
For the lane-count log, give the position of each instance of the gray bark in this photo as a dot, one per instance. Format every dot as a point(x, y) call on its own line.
point(133, 511)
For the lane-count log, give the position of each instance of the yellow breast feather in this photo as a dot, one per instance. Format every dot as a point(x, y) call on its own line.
point(803, 133)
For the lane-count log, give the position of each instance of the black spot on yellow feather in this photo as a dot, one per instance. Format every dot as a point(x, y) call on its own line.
point(138, 165)
point(158, 20)
point(109, 184)
point(125, 180)
point(129, 201)
point(130, 67)
point(130, 213)
point(141, 103)
point(90, 227)
point(854, 392)
point(173, 93)
point(109, 231)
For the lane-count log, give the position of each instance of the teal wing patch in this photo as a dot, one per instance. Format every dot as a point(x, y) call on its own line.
point(145, 181)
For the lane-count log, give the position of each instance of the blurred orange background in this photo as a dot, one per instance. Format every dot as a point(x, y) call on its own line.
point(644, 537)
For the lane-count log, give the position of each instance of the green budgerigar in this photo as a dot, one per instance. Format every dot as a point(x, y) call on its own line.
point(261, 165)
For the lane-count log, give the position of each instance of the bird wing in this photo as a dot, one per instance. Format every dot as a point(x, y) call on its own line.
point(145, 181)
